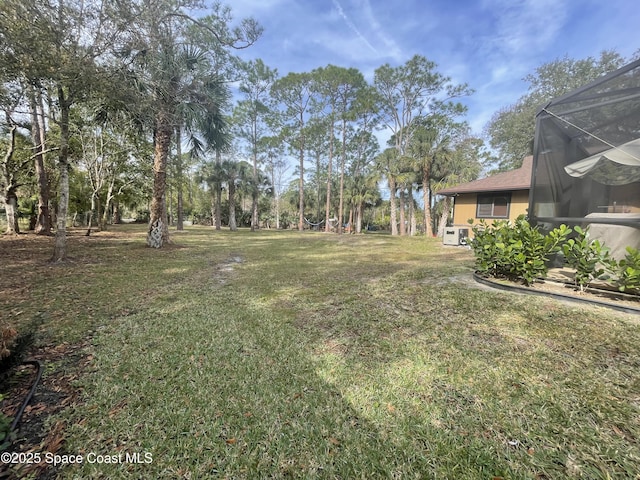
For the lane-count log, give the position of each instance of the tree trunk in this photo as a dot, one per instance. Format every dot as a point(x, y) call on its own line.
point(412, 214)
point(232, 206)
point(158, 226)
point(169, 205)
point(255, 224)
point(301, 180)
point(218, 194)
point(10, 198)
point(254, 193)
point(91, 214)
point(402, 205)
point(444, 217)
point(60, 247)
point(392, 205)
point(343, 155)
point(214, 204)
point(301, 191)
point(318, 192)
point(275, 192)
point(11, 208)
point(180, 220)
point(359, 217)
point(277, 200)
point(327, 226)
point(426, 195)
point(116, 219)
point(43, 221)
point(105, 215)
point(218, 205)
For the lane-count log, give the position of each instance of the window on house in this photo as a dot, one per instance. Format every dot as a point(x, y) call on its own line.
point(493, 205)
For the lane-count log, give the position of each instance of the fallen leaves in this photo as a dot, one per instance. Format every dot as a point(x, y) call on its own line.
point(334, 441)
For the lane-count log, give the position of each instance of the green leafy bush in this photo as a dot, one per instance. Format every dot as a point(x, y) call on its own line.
point(520, 252)
point(590, 258)
point(517, 251)
point(488, 245)
point(629, 271)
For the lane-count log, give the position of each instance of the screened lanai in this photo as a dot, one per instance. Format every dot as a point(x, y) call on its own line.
point(586, 168)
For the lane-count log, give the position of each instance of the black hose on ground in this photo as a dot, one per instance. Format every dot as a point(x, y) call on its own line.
point(27, 399)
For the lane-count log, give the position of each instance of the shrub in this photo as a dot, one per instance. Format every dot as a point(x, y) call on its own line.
point(488, 246)
point(629, 271)
point(521, 252)
point(517, 251)
point(590, 258)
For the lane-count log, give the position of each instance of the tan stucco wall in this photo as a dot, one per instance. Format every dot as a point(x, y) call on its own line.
point(464, 208)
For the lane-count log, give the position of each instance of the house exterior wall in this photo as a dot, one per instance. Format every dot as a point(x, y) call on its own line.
point(465, 207)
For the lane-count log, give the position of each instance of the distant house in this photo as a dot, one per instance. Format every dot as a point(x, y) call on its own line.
point(503, 196)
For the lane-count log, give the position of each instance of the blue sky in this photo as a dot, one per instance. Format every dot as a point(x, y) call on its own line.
point(489, 44)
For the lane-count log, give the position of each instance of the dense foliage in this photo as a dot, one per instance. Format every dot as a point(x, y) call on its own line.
point(520, 252)
point(589, 258)
point(516, 251)
point(629, 271)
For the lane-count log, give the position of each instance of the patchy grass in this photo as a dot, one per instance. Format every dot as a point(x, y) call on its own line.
point(287, 355)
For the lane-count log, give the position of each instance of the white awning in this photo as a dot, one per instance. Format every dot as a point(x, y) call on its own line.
point(616, 166)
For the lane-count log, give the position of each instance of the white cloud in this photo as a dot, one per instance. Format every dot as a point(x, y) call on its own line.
point(525, 27)
point(391, 47)
point(353, 28)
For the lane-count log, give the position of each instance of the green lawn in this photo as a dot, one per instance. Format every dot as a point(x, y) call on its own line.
point(287, 355)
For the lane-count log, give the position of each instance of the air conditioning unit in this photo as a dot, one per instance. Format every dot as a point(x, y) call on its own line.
point(455, 236)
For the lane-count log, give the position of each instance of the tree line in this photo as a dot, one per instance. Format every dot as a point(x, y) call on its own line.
point(140, 106)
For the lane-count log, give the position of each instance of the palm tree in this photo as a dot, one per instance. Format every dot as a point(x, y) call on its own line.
point(214, 175)
point(431, 142)
point(387, 165)
point(405, 179)
point(362, 189)
point(254, 186)
point(200, 117)
point(461, 164)
point(195, 105)
point(171, 75)
point(237, 174)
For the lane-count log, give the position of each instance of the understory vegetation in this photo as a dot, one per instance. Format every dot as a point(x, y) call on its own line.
point(520, 252)
point(277, 354)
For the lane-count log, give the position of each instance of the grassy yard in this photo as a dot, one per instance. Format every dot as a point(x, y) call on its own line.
point(287, 355)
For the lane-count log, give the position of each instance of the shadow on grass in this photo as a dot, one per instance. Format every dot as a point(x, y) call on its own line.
point(239, 395)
